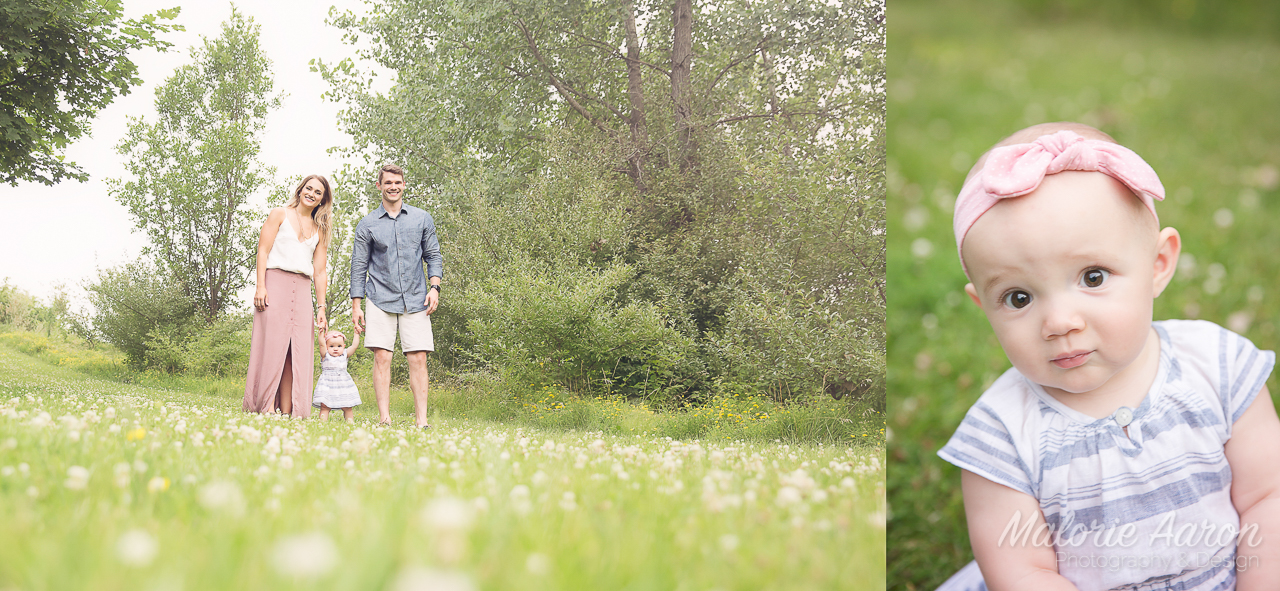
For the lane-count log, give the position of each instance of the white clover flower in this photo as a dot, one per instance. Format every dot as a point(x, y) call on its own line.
point(520, 499)
point(568, 501)
point(222, 496)
point(121, 472)
point(728, 542)
point(286, 462)
point(7, 471)
point(139, 466)
point(538, 563)
point(447, 514)
point(877, 519)
point(77, 478)
point(417, 578)
point(33, 492)
point(305, 556)
point(136, 548)
point(157, 484)
point(788, 495)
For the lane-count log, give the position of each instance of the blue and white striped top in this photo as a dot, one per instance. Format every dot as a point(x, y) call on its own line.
point(1147, 510)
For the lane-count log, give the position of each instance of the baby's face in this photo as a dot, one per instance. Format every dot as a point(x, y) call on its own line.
point(1067, 277)
point(335, 347)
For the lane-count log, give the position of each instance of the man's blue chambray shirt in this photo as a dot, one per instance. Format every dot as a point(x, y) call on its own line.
point(386, 261)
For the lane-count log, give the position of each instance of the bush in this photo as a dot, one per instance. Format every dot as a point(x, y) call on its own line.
point(220, 349)
point(148, 318)
point(791, 346)
point(562, 325)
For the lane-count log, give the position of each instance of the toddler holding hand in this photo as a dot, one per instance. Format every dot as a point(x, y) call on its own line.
point(335, 388)
point(1117, 452)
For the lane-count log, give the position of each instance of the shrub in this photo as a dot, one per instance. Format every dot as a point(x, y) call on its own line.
point(220, 349)
point(139, 312)
point(791, 346)
point(537, 325)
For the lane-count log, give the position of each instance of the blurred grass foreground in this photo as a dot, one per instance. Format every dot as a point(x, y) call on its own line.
point(1195, 97)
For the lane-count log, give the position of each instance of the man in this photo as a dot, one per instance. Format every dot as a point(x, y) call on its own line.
point(391, 243)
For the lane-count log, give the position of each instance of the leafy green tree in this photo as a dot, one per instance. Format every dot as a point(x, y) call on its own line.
point(60, 62)
point(194, 168)
point(739, 144)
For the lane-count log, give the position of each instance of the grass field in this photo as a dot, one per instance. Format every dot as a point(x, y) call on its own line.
point(106, 485)
point(1199, 108)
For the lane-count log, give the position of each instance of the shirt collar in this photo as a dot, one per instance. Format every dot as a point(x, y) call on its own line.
point(381, 211)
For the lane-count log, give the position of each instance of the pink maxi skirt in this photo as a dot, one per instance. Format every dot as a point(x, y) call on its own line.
point(283, 329)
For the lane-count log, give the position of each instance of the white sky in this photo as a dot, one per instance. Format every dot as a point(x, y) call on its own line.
point(63, 233)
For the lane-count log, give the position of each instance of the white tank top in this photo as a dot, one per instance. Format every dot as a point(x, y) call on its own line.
point(291, 254)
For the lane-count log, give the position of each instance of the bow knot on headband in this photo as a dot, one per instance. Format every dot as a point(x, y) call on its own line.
point(1018, 169)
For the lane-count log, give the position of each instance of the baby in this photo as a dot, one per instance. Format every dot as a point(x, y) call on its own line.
point(335, 388)
point(1117, 452)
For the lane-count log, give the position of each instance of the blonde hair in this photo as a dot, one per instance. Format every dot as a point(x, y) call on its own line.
point(323, 213)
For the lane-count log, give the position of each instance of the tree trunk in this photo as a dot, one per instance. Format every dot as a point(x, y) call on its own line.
point(635, 92)
point(681, 87)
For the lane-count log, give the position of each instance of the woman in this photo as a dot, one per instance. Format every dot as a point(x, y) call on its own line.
point(292, 253)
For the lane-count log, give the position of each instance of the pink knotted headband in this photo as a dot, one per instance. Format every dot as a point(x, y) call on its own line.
point(1018, 169)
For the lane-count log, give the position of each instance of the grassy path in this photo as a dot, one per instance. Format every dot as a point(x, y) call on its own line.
point(112, 486)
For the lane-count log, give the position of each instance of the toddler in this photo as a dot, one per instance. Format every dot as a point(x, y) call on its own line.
point(1117, 452)
point(335, 388)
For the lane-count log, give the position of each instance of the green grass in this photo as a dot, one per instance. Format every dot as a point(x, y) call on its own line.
point(184, 490)
point(728, 417)
point(1201, 109)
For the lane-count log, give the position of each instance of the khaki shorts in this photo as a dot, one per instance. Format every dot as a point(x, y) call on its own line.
point(381, 328)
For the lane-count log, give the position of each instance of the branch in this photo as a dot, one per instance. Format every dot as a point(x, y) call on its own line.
point(614, 52)
point(733, 63)
point(767, 116)
point(555, 80)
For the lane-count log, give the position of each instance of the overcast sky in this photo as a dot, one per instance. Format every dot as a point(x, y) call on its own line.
point(63, 233)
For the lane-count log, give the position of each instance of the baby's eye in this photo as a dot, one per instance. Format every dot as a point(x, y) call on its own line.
point(1094, 277)
point(1017, 299)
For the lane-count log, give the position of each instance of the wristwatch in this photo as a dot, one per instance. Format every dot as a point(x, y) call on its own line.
point(435, 287)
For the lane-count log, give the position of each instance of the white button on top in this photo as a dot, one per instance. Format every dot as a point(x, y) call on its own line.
point(1123, 416)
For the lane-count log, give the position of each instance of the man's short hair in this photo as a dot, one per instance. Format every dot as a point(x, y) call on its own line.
point(391, 168)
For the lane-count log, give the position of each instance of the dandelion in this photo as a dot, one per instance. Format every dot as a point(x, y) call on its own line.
point(304, 556)
point(136, 548)
point(77, 478)
point(136, 434)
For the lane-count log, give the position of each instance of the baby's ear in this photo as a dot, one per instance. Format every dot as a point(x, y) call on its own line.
point(973, 293)
point(1168, 247)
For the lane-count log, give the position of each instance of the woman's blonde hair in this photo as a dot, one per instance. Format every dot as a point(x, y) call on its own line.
point(323, 213)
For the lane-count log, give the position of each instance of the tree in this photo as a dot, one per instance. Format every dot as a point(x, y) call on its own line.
point(60, 62)
point(194, 168)
point(743, 144)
